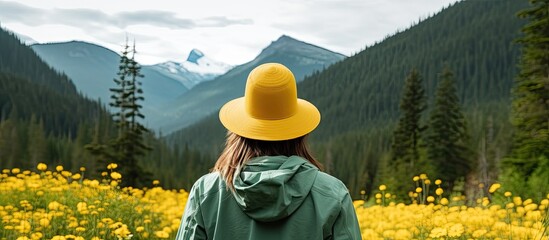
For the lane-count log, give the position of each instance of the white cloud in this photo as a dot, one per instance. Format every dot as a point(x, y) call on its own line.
point(230, 31)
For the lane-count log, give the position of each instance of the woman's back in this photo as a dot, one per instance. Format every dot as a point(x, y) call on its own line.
point(275, 197)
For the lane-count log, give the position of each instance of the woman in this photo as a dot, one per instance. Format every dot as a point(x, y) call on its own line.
point(265, 184)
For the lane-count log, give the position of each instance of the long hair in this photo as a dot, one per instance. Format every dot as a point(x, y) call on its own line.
point(238, 150)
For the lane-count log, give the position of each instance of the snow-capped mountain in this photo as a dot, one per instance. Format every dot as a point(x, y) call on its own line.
point(196, 69)
point(206, 98)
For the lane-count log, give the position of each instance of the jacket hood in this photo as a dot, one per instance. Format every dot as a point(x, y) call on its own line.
point(271, 188)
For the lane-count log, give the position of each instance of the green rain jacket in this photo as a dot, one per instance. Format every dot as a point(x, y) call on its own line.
point(282, 198)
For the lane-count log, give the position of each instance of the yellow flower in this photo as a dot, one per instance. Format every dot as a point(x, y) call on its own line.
point(156, 182)
point(418, 189)
point(382, 187)
point(438, 182)
point(36, 235)
point(15, 170)
point(82, 169)
point(507, 194)
point(112, 166)
point(115, 175)
point(139, 229)
point(444, 201)
point(76, 176)
point(427, 181)
point(44, 222)
point(415, 178)
point(362, 192)
point(59, 169)
point(494, 187)
point(438, 233)
point(42, 167)
point(456, 230)
point(430, 199)
point(423, 176)
point(439, 191)
point(161, 234)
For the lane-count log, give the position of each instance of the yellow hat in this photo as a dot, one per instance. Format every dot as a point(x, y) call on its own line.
point(270, 109)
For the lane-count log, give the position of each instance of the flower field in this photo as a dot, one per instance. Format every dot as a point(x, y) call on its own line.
point(57, 204)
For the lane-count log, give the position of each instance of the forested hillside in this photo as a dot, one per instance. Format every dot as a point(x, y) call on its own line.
point(359, 96)
point(40, 109)
point(44, 119)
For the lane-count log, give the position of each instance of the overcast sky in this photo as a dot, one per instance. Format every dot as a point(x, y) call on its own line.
point(231, 31)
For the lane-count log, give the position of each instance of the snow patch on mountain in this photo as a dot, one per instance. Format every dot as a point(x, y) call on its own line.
point(196, 69)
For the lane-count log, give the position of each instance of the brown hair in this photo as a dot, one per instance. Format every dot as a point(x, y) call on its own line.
point(238, 150)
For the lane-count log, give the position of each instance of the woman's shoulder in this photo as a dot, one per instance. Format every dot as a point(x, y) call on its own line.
point(209, 183)
point(330, 186)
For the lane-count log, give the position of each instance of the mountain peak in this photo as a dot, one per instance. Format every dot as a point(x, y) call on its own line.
point(286, 43)
point(194, 55)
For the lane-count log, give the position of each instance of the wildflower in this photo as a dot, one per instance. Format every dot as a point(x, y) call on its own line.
point(42, 167)
point(423, 176)
point(59, 169)
point(438, 182)
point(76, 176)
point(438, 233)
point(156, 182)
point(112, 166)
point(419, 190)
point(115, 175)
point(494, 187)
point(415, 178)
point(382, 187)
point(15, 171)
point(82, 169)
point(161, 234)
point(430, 199)
point(456, 230)
point(439, 191)
point(444, 201)
point(507, 194)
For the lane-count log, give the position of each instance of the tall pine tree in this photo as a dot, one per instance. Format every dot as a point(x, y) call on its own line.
point(408, 132)
point(529, 159)
point(531, 90)
point(446, 143)
point(407, 135)
point(129, 144)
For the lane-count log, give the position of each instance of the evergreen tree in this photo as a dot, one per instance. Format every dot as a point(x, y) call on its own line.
point(407, 135)
point(446, 147)
point(530, 108)
point(129, 144)
point(531, 91)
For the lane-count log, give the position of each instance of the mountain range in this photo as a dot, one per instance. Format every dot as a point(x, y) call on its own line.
point(178, 94)
point(206, 98)
point(92, 68)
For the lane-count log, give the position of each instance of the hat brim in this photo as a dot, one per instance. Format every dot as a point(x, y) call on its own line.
point(234, 117)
